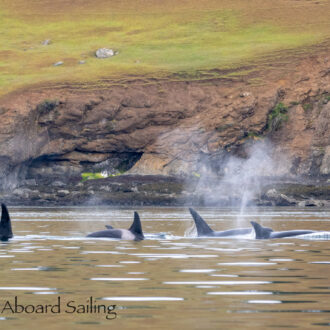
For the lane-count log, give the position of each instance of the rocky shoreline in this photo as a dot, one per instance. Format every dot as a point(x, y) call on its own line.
point(152, 190)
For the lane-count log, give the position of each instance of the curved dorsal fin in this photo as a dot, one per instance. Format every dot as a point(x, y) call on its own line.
point(202, 227)
point(260, 231)
point(108, 227)
point(5, 224)
point(136, 227)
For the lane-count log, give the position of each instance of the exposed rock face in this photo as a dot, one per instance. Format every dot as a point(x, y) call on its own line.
point(166, 128)
point(325, 166)
point(279, 199)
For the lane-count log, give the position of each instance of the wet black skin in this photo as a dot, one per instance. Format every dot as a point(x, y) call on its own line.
point(203, 229)
point(135, 230)
point(5, 224)
point(268, 233)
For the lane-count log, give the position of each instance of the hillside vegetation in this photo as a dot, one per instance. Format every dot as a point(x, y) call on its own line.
point(154, 38)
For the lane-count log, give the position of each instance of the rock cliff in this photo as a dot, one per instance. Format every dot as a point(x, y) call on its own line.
point(50, 136)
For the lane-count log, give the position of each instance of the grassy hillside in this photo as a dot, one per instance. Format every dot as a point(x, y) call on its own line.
point(153, 37)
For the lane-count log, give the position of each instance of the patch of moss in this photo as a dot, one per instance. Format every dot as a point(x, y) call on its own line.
point(47, 106)
point(94, 176)
point(277, 116)
point(253, 135)
point(91, 176)
point(307, 106)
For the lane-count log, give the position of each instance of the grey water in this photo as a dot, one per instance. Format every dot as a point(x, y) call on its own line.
point(169, 280)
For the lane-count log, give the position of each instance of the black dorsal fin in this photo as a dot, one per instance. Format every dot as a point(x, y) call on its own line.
point(136, 227)
point(5, 224)
point(260, 231)
point(108, 227)
point(202, 227)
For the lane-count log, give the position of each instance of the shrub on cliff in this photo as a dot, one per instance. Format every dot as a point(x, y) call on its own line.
point(277, 116)
point(47, 106)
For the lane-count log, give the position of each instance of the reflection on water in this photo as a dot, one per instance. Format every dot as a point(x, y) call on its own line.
point(169, 279)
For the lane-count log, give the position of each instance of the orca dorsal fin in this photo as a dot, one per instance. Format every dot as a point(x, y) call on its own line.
point(202, 227)
point(260, 231)
point(136, 227)
point(5, 224)
point(108, 227)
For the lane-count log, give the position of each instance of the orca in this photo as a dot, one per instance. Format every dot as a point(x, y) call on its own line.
point(5, 224)
point(264, 232)
point(203, 229)
point(133, 233)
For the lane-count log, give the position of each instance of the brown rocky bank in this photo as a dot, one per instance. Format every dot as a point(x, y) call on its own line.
point(171, 137)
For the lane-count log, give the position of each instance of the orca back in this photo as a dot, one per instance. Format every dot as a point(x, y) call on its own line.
point(260, 231)
point(136, 227)
point(202, 227)
point(5, 224)
point(290, 233)
point(233, 232)
point(108, 233)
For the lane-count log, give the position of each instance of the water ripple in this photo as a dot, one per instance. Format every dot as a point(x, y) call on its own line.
point(246, 263)
point(143, 298)
point(118, 279)
point(217, 282)
point(174, 256)
point(239, 293)
point(25, 288)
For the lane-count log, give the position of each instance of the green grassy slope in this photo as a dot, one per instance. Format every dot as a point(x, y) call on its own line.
point(153, 37)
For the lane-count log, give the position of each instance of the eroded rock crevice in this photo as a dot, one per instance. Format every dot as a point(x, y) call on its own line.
point(67, 169)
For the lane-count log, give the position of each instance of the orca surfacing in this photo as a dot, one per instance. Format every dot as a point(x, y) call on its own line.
point(204, 230)
point(133, 233)
point(5, 224)
point(265, 233)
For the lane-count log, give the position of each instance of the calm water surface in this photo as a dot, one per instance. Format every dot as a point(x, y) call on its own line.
point(168, 281)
